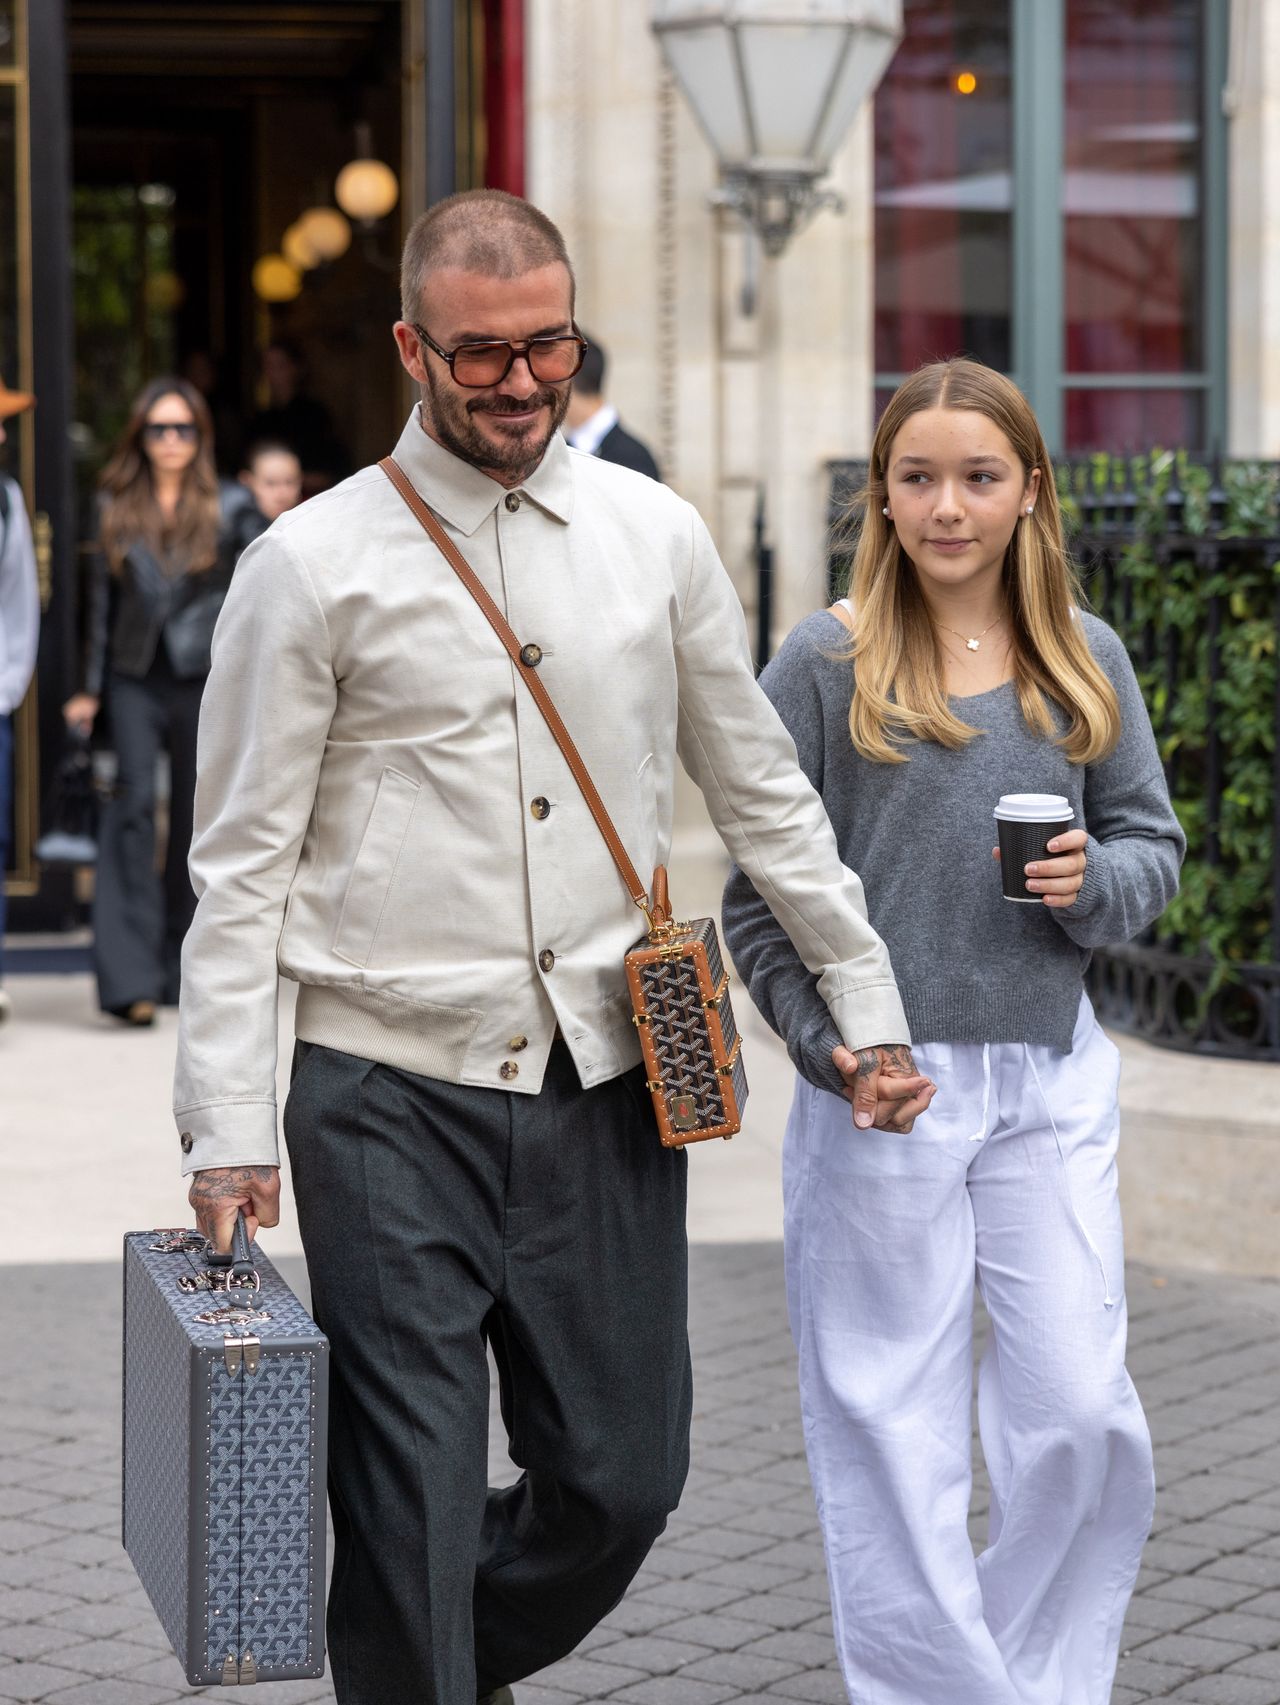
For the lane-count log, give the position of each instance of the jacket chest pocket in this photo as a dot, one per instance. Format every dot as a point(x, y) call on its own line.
point(374, 870)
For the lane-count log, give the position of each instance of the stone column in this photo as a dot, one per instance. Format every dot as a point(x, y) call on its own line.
point(1253, 104)
point(727, 400)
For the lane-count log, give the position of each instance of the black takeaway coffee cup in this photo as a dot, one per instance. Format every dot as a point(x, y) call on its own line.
point(1027, 823)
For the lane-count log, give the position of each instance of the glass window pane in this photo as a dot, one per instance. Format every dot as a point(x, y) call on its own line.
point(1132, 186)
point(944, 187)
point(1127, 422)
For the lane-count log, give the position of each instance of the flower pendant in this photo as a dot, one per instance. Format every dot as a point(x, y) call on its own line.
point(972, 644)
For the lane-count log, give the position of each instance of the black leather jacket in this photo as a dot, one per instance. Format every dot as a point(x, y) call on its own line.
point(131, 614)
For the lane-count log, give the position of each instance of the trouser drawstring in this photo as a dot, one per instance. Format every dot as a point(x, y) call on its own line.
point(981, 1132)
point(1108, 1301)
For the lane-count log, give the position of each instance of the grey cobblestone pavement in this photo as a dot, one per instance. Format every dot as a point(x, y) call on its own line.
point(732, 1603)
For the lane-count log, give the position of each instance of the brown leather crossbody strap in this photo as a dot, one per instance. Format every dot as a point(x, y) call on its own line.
point(541, 697)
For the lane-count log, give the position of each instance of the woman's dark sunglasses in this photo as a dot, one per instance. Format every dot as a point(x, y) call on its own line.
point(478, 365)
point(155, 430)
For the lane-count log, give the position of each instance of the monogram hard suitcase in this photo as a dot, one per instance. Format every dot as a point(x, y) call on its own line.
point(225, 1404)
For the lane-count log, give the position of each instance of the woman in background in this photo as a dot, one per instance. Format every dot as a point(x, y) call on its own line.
point(159, 572)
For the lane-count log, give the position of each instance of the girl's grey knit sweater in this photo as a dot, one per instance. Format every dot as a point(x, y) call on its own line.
point(971, 966)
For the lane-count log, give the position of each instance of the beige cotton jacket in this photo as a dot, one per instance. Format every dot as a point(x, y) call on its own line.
point(369, 763)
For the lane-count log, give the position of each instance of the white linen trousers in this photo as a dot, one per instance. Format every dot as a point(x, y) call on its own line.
point(1013, 1169)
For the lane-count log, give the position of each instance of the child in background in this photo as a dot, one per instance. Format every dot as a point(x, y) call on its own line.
point(963, 668)
point(272, 478)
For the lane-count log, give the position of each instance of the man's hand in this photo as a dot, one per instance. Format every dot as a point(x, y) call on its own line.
point(215, 1195)
point(884, 1086)
point(1059, 880)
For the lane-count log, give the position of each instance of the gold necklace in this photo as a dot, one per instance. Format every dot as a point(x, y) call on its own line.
point(973, 643)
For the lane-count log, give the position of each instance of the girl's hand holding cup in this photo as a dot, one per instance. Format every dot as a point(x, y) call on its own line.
point(1050, 858)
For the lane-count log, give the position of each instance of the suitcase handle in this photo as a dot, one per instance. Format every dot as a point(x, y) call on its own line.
point(239, 1258)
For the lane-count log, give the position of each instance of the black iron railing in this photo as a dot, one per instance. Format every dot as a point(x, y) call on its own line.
point(1182, 557)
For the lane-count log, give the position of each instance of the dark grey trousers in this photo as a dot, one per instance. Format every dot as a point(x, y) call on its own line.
point(139, 917)
point(436, 1218)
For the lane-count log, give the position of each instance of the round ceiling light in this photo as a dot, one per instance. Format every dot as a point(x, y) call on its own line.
point(366, 189)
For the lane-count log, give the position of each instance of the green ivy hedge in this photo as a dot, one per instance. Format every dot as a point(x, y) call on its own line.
point(1158, 599)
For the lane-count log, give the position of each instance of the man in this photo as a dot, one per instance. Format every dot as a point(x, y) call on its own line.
point(296, 418)
point(593, 423)
point(383, 813)
point(19, 635)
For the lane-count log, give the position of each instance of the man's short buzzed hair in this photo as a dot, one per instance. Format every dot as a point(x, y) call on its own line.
point(478, 230)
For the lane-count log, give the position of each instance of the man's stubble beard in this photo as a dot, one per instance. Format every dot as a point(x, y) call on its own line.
point(450, 420)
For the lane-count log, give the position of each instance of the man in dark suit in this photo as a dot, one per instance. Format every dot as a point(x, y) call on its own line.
point(592, 424)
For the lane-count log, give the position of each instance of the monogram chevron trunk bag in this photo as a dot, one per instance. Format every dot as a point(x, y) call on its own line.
point(225, 1402)
point(675, 975)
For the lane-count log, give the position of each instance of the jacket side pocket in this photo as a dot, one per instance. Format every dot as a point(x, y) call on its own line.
point(375, 867)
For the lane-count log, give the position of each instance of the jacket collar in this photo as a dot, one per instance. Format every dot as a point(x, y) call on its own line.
point(463, 496)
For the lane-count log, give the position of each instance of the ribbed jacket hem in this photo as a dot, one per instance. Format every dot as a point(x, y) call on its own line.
point(988, 1011)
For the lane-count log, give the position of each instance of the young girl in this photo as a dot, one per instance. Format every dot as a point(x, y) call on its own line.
point(972, 672)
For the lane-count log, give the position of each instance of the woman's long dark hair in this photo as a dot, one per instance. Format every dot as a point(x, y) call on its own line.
point(189, 542)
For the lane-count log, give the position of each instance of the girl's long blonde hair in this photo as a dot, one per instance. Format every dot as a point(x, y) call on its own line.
point(900, 668)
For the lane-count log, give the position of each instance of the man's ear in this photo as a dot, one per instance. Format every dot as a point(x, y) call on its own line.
point(245, 477)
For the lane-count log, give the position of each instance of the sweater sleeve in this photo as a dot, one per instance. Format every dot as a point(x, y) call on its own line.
point(772, 823)
point(783, 989)
point(1136, 844)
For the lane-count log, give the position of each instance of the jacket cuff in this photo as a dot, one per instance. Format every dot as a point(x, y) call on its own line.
point(869, 1017)
point(227, 1133)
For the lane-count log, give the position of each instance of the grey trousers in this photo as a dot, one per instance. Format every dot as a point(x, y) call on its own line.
point(437, 1218)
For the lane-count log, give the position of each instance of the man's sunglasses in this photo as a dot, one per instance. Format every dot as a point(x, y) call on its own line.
point(477, 365)
point(187, 430)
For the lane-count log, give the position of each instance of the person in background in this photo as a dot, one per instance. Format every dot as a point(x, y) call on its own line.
point(158, 577)
point(19, 632)
point(202, 370)
point(297, 419)
point(269, 484)
point(593, 425)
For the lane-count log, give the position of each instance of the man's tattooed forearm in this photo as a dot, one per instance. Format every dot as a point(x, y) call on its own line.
point(897, 1058)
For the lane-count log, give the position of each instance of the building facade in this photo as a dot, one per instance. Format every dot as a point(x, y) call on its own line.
point(1083, 192)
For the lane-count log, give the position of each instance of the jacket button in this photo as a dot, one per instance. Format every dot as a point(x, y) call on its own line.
point(508, 1069)
point(517, 1043)
point(186, 1140)
point(512, 502)
point(531, 656)
point(540, 807)
point(546, 959)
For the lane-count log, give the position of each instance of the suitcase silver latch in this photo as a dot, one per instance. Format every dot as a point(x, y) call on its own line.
point(239, 1674)
point(234, 1350)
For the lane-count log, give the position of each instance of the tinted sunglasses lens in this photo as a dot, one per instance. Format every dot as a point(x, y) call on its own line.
point(555, 358)
point(481, 363)
point(185, 429)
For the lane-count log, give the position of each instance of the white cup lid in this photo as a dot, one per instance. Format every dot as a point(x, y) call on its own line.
point(1034, 808)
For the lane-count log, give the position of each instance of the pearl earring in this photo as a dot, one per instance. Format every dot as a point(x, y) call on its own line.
point(1031, 509)
point(885, 510)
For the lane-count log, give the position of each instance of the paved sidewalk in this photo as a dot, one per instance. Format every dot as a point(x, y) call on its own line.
point(732, 1603)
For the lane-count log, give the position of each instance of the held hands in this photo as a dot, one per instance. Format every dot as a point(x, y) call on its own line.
point(215, 1195)
point(884, 1087)
point(1059, 880)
